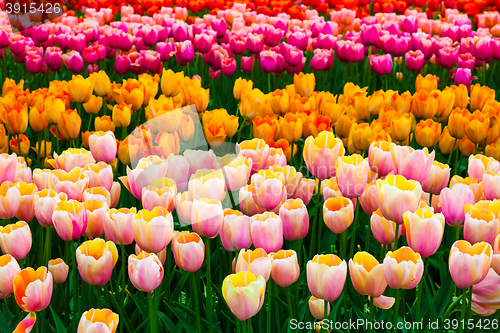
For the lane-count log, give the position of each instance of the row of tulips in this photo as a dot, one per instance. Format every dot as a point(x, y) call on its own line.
point(237, 42)
point(253, 200)
point(297, 10)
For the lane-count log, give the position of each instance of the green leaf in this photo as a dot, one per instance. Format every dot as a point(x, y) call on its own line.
point(185, 322)
point(180, 285)
point(139, 328)
point(140, 304)
point(4, 325)
point(169, 326)
point(59, 324)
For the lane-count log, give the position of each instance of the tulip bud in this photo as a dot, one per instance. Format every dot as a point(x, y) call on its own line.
point(59, 270)
point(403, 268)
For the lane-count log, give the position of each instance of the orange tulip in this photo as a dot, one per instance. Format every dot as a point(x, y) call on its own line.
point(427, 132)
point(15, 117)
point(476, 126)
point(427, 83)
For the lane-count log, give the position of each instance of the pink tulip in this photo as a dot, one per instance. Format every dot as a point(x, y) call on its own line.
point(44, 203)
point(370, 34)
point(317, 308)
point(119, 226)
point(70, 219)
point(380, 158)
point(207, 217)
point(9, 268)
point(235, 232)
point(145, 271)
point(481, 225)
point(414, 60)
point(153, 229)
point(73, 60)
point(383, 229)
point(188, 250)
point(463, 76)
point(448, 56)
point(326, 275)
point(122, 63)
point(424, 231)
point(285, 268)
point(352, 175)
point(410, 163)
point(267, 61)
point(299, 39)
point(466, 60)
point(437, 178)
point(381, 64)
point(295, 219)
point(247, 204)
point(228, 66)
point(478, 164)
point(100, 175)
point(266, 230)
point(8, 168)
point(453, 201)
point(33, 289)
point(256, 261)
point(469, 264)
point(59, 270)
point(486, 294)
point(103, 146)
point(403, 268)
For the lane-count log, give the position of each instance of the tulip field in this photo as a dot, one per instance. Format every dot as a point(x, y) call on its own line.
point(248, 166)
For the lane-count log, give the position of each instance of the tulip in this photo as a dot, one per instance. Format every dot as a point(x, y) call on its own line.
point(285, 268)
point(183, 206)
point(103, 146)
point(437, 178)
point(102, 83)
point(153, 229)
point(468, 263)
point(235, 232)
point(367, 275)
point(96, 259)
point(161, 192)
point(295, 219)
point(304, 84)
point(244, 294)
point(427, 83)
point(403, 268)
point(70, 219)
point(26, 210)
point(485, 294)
point(8, 167)
point(321, 153)
point(26, 325)
point(97, 320)
point(351, 174)
point(478, 164)
point(410, 163)
point(145, 271)
point(381, 64)
point(207, 217)
point(59, 270)
point(398, 195)
point(267, 188)
point(246, 202)
point(15, 117)
point(72, 157)
point(481, 225)
point(452, 202)
point(266, 230)
point(119, 226)
point(383, 229)
point(491, 186)
point(33, 289)
point(476, 126)
point(236, 171)
point(317, 308)
point(189, 251)
point(15, 239)
point(9, 269)
point(479, 95)
point(100, 175)
point(326, 275)
point(380, 158)
point(424, 231)
point(72, 183)
point(427, 133)
point(68, 125)
point(208, 184)
point(73, 60)
point(338, 214)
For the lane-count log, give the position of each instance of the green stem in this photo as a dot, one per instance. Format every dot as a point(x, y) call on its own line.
point(19, 146)
point(151, 313)
point(452, 150)
point(396, 310)
point(462, 312)
point(209, 286)
point(123, 293)
point(315, 223)
point(269, 304)
point(469, 306)
point(289, 301)
point(421, 287)
point(353, 237)
point(47, 246)
point(57, 139)
point(475, 148)
point(76, 317)
point(371, 309)
point(396, 237)
point(196, 306)
point(249, 326)
point(90, 122)
point(457, 233)
point(343, 244)
point(244, 326)
point(269, 82)
point(98, 296)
